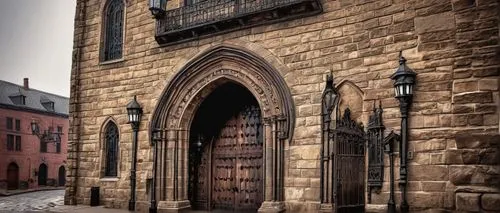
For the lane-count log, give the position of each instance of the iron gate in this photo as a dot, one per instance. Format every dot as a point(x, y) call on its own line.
point(348, 165)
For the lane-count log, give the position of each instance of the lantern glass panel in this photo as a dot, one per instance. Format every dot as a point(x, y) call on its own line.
point(156, 4)
point(327, 100)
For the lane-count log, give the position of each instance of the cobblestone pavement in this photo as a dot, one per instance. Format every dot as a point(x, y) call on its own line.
point(33, 201)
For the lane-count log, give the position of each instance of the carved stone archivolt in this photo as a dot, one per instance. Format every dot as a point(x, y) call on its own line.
point(180, 100)
point(201, 76)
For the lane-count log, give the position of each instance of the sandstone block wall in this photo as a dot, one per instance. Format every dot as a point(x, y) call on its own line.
point(453, 45)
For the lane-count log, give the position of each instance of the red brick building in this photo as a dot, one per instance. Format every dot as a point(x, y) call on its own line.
point(32, 158)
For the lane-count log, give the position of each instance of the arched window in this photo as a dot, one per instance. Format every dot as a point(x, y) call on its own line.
point(113, 30)
point(111, 150)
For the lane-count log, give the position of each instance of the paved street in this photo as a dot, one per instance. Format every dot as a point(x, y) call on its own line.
point(33, 201)
point(53, 201)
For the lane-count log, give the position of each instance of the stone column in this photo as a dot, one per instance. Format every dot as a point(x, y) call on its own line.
point(273, 201)
point(176, 199)
point(267, 161)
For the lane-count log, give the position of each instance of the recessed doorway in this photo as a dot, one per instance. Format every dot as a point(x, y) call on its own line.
point(226, 152)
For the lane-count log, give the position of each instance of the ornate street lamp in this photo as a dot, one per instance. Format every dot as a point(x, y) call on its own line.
point(134, 111)
point(404, 82)
point(157, 8)
point(329, 101)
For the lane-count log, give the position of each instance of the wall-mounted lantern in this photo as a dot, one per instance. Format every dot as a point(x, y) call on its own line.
point(329, 102)
point(404, 83)
point(157, 8)
point(330, 95)
point(46, 135)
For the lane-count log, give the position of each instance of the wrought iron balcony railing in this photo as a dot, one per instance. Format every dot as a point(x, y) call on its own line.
point(216, 16)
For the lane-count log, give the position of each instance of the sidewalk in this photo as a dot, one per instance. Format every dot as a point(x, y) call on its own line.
point(85, 209)
point(4, 192)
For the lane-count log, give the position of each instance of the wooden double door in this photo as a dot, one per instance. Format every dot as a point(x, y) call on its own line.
point(226, 170)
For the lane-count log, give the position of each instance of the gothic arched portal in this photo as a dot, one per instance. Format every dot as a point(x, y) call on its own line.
point(180, 101)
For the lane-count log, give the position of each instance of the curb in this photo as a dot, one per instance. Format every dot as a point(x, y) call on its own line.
point(6, 194)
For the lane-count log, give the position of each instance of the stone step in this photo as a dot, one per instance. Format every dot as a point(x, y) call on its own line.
point(376, 208)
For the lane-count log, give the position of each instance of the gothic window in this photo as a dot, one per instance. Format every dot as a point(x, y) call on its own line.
point(113, 30)
point(111, 150)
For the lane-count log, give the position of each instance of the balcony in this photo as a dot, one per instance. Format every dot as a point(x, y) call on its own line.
point(211, 17)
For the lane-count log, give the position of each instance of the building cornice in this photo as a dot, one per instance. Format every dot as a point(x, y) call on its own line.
point(27, 109)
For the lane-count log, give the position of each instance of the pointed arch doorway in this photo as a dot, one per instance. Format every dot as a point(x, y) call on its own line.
point(176, 129)
point(226, 151)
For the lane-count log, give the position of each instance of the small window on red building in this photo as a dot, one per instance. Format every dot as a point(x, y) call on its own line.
point(58, 147)
point(18, 125)
point(18, 143)
point(43, 146)
point(9, 123)
point(10, 142)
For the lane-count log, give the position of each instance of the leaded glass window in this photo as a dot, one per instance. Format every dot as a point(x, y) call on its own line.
point(113, 37)
point(111, 146)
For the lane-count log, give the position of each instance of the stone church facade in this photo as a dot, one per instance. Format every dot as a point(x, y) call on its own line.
point(232, 94)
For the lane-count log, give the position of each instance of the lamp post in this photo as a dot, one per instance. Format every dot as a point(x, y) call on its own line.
point(404, 81)
point(329, 100)
point(134, 111)
point(157, 137)
point(157, 8)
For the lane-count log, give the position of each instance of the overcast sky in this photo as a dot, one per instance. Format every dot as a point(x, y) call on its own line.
point(36, 41)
